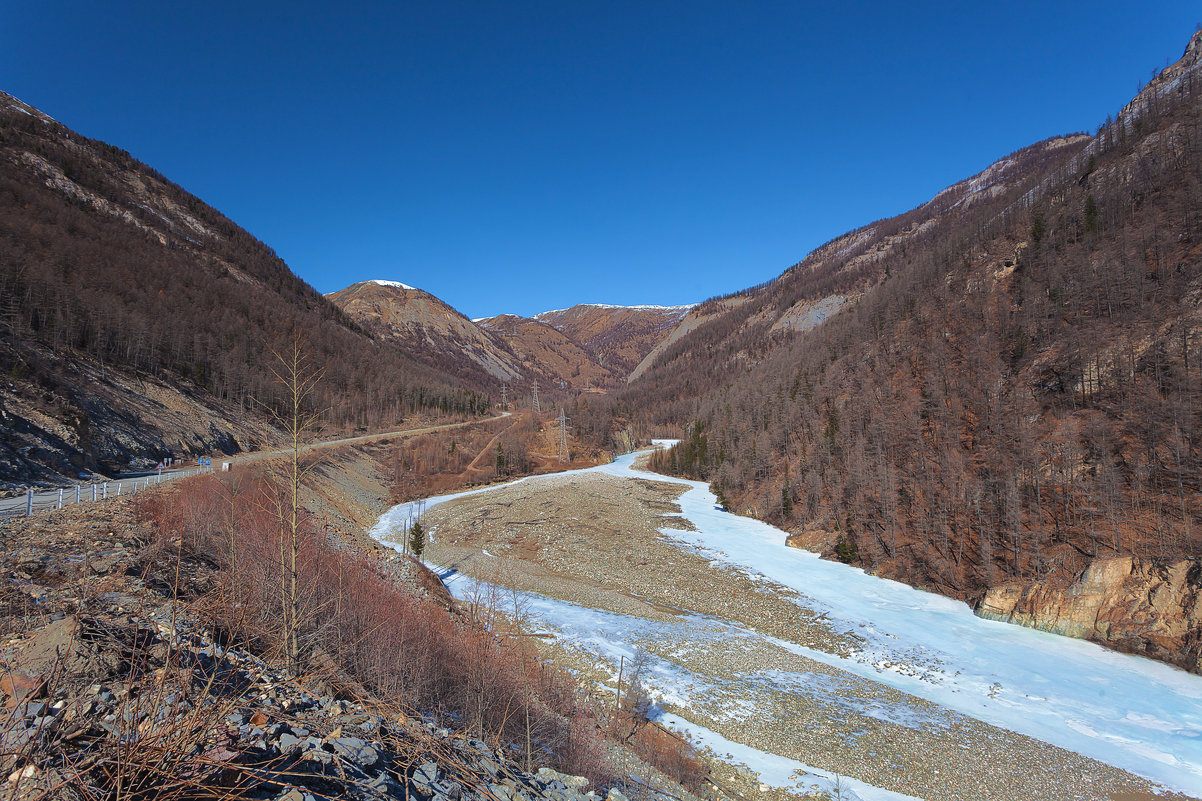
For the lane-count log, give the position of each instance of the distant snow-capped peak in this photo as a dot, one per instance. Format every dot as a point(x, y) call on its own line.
point(639, 307)
point(396, 284)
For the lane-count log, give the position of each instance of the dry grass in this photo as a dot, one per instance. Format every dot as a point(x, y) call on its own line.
point(357, 620)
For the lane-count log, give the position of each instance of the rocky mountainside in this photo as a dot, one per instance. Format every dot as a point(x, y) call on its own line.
point(136, 321)
point(428, 329)
point(550, 354)
point(134, 668)
point(589, 346)
point(1135, 604)
point(998, 386)
point(618, 336)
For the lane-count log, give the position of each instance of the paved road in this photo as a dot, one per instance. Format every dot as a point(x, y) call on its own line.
point(124, 485)
point(333, 443)
point(113, 488)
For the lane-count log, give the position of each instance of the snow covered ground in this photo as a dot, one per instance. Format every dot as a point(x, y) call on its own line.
point(1139, 715)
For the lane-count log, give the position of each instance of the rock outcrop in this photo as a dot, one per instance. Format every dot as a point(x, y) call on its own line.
point(1135, 605)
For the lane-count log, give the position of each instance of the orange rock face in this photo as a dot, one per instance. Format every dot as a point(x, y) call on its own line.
point(1135, 605)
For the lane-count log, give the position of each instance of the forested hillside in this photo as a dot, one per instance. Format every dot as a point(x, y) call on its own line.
point(111, 273)
point(1008, 381)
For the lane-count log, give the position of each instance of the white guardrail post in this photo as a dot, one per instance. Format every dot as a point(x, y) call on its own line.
point(29, 502)
point(60, 498)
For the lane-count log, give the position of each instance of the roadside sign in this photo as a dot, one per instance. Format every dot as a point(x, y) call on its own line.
point(160, 466)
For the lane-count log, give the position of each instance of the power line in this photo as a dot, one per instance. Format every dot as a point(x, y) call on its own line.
point(563, 435)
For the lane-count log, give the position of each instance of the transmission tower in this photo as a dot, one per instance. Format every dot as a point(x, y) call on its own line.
point(534, 402)
point(504, 397)
point(563, 435)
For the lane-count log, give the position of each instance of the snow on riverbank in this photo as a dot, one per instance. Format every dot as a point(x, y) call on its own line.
point(1140, 715)
point(608, 637)
point(778, 771)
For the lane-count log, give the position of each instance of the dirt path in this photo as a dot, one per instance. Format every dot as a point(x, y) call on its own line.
point(474, 465)
point(721, 638)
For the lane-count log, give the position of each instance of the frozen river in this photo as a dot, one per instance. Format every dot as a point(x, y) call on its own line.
point(1136, 714)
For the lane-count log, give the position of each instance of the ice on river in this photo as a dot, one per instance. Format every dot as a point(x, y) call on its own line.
point(1134, 713)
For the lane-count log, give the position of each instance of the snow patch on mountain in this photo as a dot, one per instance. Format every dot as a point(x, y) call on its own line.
point(382, 282)
point(641, 307)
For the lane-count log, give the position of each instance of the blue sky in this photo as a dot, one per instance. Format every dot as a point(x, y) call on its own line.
point(521, 156)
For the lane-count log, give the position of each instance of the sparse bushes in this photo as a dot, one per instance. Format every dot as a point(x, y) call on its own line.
point(404, 648)
point(447, 460)
point(846, 549)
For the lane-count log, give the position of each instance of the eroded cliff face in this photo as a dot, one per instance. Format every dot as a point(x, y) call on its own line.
point(1135, 605)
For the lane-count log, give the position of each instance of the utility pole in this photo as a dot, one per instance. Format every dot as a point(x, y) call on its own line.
point(534, 403)
point(563, 436)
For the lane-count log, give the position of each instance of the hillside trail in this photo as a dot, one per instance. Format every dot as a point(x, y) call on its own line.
point(474, 465)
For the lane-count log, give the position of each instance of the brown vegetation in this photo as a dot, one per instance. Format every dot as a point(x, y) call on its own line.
point(445, 461)
point(546, 352)
point(1014, 393)
point(430, 331)
point(404, 647)
point(105, 262)
point(618, 337)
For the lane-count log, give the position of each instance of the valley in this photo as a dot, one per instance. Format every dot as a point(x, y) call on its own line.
point(829, 529)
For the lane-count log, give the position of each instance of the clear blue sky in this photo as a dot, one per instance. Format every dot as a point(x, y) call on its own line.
point(517, 156)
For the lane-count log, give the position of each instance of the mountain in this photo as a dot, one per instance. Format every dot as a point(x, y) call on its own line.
point(618, 336)
point(589, 346)
point(549, 354)
point(136, 321)
point(999, 387)
point(585, 347)
point(429, 330)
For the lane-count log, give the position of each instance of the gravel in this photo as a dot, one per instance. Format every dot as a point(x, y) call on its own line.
point(594, 540)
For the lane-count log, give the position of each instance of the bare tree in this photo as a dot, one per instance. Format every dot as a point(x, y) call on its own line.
point(298, 379)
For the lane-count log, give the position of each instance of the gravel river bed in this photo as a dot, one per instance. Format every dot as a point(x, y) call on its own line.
point(603, 564)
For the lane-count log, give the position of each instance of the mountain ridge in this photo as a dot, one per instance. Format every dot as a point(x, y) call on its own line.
point(1007, 390)
point(125, 300)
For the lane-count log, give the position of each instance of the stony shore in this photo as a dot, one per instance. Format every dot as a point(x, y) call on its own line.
point(78, 578)
point(111, 678)
point(594, 540)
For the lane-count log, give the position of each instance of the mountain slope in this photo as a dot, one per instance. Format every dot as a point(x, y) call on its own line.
point(117, 286)
point(549, 354)
point(618, 336)
point(428, 329)
point(1009, 388)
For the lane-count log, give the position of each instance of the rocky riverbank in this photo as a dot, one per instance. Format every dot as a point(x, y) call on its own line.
point(714, 632)
point(117, 681)
point(1139, 606)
